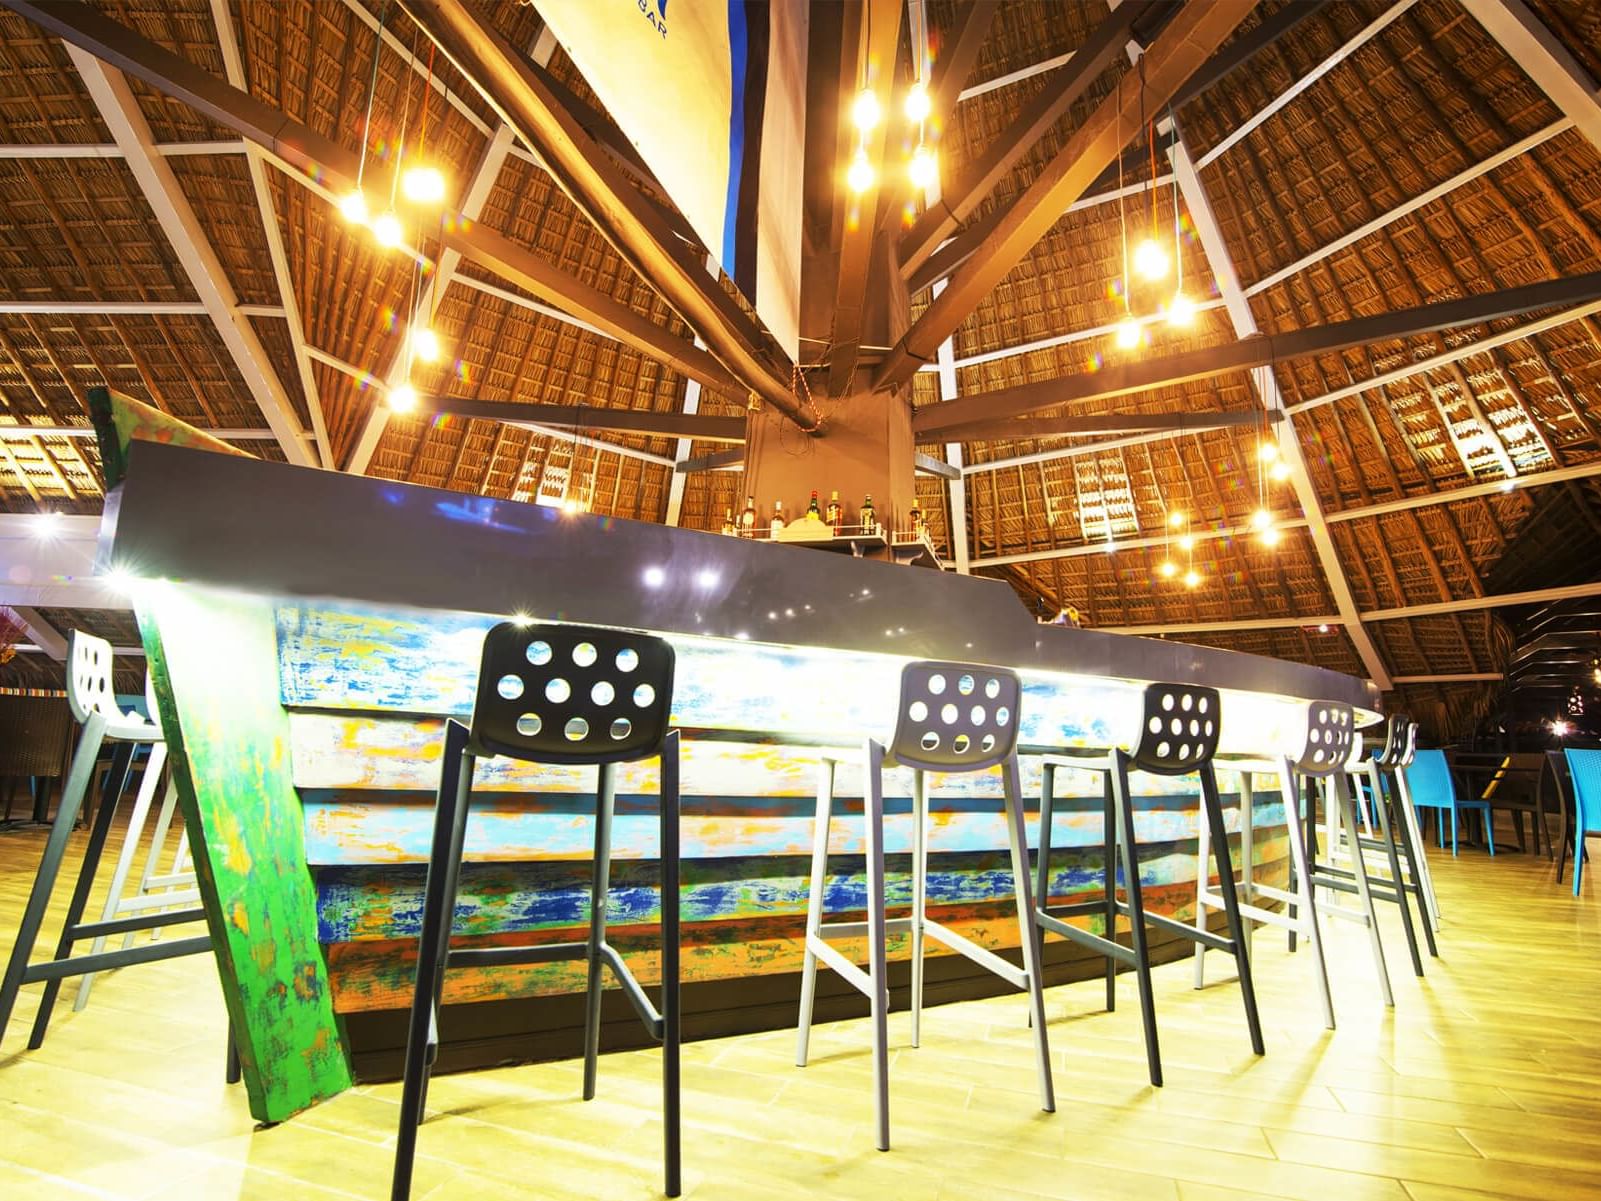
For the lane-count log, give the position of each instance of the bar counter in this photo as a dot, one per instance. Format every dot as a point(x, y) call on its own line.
point(305, 664)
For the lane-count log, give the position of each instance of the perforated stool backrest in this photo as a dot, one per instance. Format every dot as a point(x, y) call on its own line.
point(1396, 732)
point(1411, 750)
point(955, 717)
point(1330, 731)
point(1179, 728)
point(1355, 755)
point(571, 694)
point(89, 678)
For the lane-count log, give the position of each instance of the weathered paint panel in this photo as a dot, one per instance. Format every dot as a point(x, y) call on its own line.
point(214, 659)
point(511, 827)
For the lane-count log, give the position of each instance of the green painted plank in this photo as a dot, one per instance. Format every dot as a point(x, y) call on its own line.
point(214, 659)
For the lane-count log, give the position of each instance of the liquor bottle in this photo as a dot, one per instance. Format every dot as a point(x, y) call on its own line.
point(869, 519)
point(747, 519)
point(728, 521)
point(835, 512)
point(917, 520)
point(778, 518)
point(812, 511)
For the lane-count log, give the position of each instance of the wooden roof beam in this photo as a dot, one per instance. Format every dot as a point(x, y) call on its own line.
point(1261, 350)
point(940, 221)
point(702, 428)
point(1552, 67)
point(109, 90)
point(1243, 49)
point(1100, 423)
point(597, 187)
point(1187, 42)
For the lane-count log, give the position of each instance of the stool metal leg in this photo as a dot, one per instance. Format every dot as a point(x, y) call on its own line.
point(1119, 787)
point(44, 880)
point(1403, 822)
point(1042, 865)
point(878, 958)
point(116, 782)
point(439, 903)
point(605, 802)
point(1342, 796)
point(130, 845)
point(1246, 883)
point(1397, 879)
point(1027, 927)
point(919, 895)
point(1213, 805)
point(1304, 888)
point(1109, 819)
point(814, 906)
point(1203, 874)
point(672, 1033)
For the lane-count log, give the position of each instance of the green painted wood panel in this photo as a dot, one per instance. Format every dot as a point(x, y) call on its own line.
point(214, 659)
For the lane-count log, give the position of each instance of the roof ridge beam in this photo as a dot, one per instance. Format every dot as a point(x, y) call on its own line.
point(1547, 62)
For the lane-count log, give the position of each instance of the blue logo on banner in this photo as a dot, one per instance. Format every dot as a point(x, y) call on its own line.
point(657, 19)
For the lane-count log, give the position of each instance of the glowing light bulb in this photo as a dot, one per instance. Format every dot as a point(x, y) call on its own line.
point(387, 229)
point(860, 176)
point(403, 399)
point(1270, 536)
point(1507, 485)
point(423, 185)
point(1167, 569)
point(1268, 452)
point(1128, 333)
point(1261, 519)
point(354, 208)
point(1187, 542)
point(1181, 310)
point(1176, 518)
point(1279, 471)
point(924, 168)
point(572, 505)
point(1323, 628)
point(865, 110)
point(1192, 578)
point(47, 525)
point(1150, 260)
point(425, 344)
point(918, 104)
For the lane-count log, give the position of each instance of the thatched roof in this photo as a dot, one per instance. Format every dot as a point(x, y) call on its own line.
point(1410, 114)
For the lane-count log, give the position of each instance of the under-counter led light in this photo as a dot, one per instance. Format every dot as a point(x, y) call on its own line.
point(46, 525)
point(707, 578)
point(654, 577)
point(522, 619)
point(572, 506)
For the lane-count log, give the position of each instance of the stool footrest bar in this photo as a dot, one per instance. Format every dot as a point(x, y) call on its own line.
point(848, 971)
point(132, 925)
point(1205, 937)
point(79, 965)
point(985, 958)
point(1103, 946)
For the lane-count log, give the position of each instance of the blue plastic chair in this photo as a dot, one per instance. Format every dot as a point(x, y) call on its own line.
point(1585, 768)
point(1430, 785)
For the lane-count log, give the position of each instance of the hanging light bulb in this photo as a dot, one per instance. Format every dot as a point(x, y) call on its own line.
point(423, 184)
point(1187, 542)
point(924, 168)
point(865, 110)
point(1261, 519)
point(1270, 536)
point(1128, 333)
point(425, 344)
point(1176, 518)
point(918, 104)
point(387, 229)
point(1150, 260)
point(1267, 451)
point(860, 175)
point(354, 207)
point(1167, 569)
point(403, 399)
point(1280, 471)
point(1181, 310)
point(1192, 578)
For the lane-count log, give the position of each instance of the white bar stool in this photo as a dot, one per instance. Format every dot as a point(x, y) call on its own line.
point(950, 718)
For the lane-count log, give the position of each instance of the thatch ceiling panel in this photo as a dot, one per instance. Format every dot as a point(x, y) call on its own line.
point(220, 193)
point(79, 229)
point(41, 98)
point(274, 335)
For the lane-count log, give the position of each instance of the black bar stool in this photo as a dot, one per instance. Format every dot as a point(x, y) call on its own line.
point(566, 695)
point(950, 718)
point(1400, 747)
point(1178, 736)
